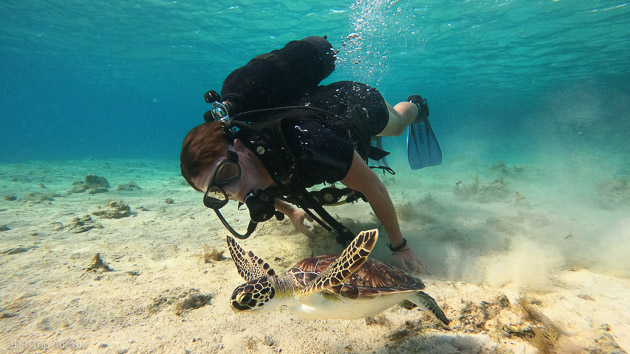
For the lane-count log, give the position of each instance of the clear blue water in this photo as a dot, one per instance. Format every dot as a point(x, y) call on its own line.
point(117, 79)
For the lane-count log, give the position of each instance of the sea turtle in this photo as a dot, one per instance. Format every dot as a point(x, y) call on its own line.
point(348, 286)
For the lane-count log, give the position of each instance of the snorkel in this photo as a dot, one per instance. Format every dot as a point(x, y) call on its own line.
point(260, 203)
point(261, 208)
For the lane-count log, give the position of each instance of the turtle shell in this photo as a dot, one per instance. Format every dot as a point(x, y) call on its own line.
point(374, 278)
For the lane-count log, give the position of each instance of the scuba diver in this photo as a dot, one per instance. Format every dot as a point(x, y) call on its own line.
point(273, 133)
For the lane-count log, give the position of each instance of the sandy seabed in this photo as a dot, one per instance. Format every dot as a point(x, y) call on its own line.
point(521, 258)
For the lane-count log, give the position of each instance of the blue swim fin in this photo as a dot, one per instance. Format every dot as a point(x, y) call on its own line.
point(423, 149)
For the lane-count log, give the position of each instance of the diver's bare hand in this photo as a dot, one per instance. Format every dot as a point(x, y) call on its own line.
point(406, 259)
point(297, 217)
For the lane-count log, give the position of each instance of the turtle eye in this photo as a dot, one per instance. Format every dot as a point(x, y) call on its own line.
point(244, 298)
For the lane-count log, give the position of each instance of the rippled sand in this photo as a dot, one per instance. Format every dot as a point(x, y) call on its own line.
point(520, 259)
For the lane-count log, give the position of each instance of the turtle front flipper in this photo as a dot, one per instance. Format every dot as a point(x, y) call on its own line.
point(351, 259)
point(249, 266)
point(426, 302)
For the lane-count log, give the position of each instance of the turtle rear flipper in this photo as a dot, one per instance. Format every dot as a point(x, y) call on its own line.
point(426, 302)
point(347, 263)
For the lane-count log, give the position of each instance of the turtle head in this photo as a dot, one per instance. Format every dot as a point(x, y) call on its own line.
point(255, 295)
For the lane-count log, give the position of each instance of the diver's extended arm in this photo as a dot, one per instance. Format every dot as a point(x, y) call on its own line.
point(362, 179)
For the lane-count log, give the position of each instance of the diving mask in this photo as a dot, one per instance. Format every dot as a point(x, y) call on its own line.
point(228, 171)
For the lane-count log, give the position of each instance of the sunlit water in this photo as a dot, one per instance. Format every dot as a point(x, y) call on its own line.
point(121, 79)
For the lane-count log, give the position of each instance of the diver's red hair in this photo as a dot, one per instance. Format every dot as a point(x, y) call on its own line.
point(201, 147)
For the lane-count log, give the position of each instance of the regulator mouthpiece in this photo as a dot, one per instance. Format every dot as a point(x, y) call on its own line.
point(260, 205)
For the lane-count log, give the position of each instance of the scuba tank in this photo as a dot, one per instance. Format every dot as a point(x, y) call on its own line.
point(275, 78)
